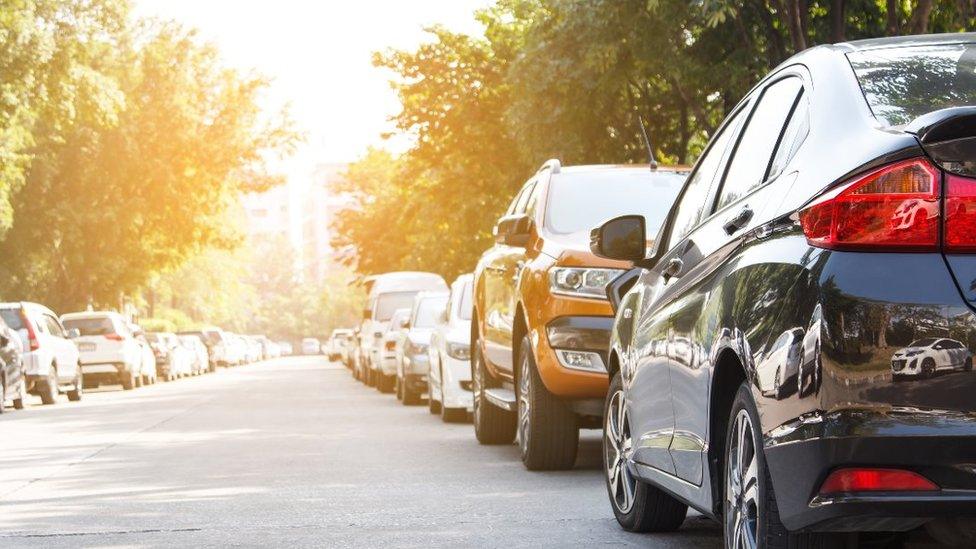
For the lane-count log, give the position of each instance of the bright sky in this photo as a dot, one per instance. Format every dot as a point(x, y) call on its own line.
point(317, 52)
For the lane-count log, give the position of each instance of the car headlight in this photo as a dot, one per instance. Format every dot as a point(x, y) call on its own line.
point(415, 348)
point(585, 282)
point(459, 351)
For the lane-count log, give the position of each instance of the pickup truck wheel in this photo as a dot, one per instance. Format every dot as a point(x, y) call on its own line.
point(492, 425)
point(638, 506)
point(49, 389)
point(74, 395)
point(548, 434)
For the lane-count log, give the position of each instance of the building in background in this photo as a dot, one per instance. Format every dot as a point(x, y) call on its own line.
point(319, 207)
point(269, 214)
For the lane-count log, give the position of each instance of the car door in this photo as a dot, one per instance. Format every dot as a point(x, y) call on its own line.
point(65, 352)
point(502, 267)
point(646, 364)
point(740, 200)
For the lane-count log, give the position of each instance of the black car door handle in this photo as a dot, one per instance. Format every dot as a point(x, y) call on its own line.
point(738, 221)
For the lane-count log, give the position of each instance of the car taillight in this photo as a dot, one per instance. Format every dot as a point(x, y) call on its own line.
point(32, 340)
point(115, 337)
point(960, 214)
point(895, 208)
point(875, 480)
point(391, 345)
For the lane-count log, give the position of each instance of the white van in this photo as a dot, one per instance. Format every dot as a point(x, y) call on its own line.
point(385, 294)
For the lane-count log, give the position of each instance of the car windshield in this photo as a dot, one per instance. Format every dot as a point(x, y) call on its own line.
point(922, 342)
point(581, 201)
point(12, 318)
point(901, 84)
point(90, 326)
point(388, 303)
point(428, 310)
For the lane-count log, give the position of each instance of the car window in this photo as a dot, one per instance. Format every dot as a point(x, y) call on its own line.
point(93, 326)
point(750, 161)
point(793, 136)
point(513, 207)
point(903, 83)
point(465, 308)
point(427, 312)
point(12, 318)
point(53, 327)
point(693, 202)
point(524, 196)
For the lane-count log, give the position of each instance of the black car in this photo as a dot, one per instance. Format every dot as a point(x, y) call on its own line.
point(13, 380)
point(830, 222)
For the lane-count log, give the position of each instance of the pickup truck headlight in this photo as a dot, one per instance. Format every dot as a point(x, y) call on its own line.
point(459, 351)
point(582, 282)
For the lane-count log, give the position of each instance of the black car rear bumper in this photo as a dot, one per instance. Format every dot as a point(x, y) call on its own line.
point(939, 446)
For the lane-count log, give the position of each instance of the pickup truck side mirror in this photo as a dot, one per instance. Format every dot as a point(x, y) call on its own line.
point(623, 238)
point(513, 230)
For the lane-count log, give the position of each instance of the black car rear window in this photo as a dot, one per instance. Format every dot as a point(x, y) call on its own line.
point(903, 83)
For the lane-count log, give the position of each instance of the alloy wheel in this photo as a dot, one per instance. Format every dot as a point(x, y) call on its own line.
point(524, 406)
point(617, 450)
point(742, 485)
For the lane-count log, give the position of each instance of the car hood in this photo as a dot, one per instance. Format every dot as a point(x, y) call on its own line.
point(573, 250)
point(907, 350)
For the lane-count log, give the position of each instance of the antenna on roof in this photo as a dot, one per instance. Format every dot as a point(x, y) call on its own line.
point(647, 142)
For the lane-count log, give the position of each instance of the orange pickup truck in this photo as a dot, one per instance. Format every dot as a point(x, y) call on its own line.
point(542, 320)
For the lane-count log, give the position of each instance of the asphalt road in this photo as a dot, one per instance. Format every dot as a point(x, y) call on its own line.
point(291, 452)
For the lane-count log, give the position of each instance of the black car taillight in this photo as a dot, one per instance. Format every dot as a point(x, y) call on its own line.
point(894, 208)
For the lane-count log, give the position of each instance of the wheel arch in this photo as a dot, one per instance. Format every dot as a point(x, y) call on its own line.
point(727, 376)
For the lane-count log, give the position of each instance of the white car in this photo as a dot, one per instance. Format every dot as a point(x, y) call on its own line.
point(311, 346)
point(779, 372)
point(51, 359)
point(392, 340)
point(109, 351)
point(173, 360)
point(450, 355)
point(413, 355)
point(199, 359)
point(926, 357)
point(386, 293)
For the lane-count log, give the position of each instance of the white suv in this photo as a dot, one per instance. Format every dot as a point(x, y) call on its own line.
point(109, 351)
point(51, 359)
point(449, 380)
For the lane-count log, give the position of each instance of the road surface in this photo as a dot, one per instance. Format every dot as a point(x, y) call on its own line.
point(291, 452)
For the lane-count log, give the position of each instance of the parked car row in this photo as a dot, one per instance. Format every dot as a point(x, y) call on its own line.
point(47, 355)
point(780, 337)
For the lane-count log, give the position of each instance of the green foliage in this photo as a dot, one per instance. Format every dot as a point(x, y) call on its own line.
point(137, 151)
point(569, 79)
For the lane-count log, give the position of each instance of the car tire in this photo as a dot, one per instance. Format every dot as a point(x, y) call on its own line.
point(547, 432)
point(137, 380)
point(638, 506)
point(21, 394)
point(433, 406)
point(928, 368)
point(492, 425)
point(750, 506)
point(49, 389)
point(399, 389)
point(74, 395)
point(387, 384)
point(453, 415)
point(410, 398)
point(3, 394)
point(128, 381)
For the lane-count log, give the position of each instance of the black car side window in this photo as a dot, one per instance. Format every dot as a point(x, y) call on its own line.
point(694, 200)
point(754, 152)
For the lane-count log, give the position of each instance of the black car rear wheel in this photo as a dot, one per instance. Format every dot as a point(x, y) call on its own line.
point(492, 425)
point(751, 516)
point(638, 506)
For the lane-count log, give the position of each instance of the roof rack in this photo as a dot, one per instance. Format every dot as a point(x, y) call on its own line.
point(553, 164)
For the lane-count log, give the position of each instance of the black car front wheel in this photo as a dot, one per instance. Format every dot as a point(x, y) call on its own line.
point(638, 506)
point(751, 517)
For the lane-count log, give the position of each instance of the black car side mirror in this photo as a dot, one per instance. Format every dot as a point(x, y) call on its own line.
point(623, 238)
point(513, 230)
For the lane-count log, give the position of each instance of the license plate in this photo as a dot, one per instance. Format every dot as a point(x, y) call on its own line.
point(86, 347)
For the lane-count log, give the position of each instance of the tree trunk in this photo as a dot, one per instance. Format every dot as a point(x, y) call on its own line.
point(837, 21)
point(777, 50)
point(790, 10)
point(920, 18)
point(892, 17)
